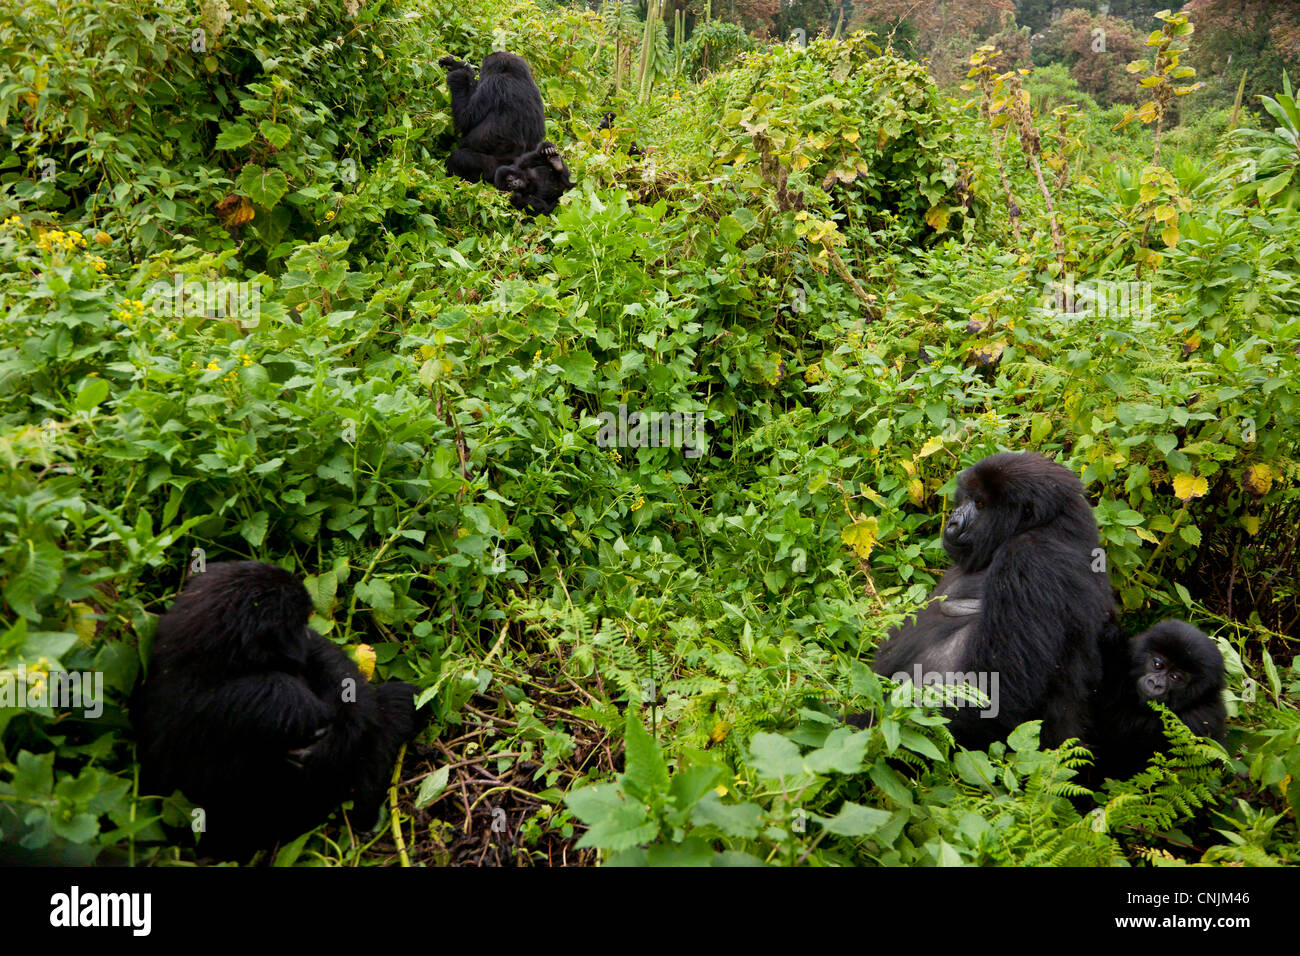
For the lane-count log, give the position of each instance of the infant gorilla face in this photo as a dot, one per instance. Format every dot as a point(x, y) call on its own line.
point(1175, 664)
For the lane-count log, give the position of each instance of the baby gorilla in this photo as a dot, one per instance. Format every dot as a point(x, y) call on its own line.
point(536, 180)
point(1172, 664)
point(259, 720)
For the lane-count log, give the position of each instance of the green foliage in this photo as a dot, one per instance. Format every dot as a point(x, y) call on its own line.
point(712, 46)
point(1268, 161)
point(404, 401)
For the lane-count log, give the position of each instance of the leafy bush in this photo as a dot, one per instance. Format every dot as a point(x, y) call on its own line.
point(408, 401)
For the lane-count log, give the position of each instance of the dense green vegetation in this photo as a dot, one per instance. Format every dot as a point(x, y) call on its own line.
point(856, 278)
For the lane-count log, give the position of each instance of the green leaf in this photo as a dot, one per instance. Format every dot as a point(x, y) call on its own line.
point(689, 785)
point(431, 786)
point(93, 391)
point(613, 821)
point(854, 820)
point(647, 773)
point(277, 134)
point(693, 851)
point(842, 752)
point(918, 744)
point(37, 573)
point(75, 828)
point(234, 135)
point(34, 778)
point(740, 820)
point(774, 757)
point(1025, 737)
point(265, 187)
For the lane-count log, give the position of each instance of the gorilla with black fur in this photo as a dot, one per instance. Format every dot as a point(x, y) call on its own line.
point(499, 116)
point(536, 180)
point(259, 720)
point(1172, 664)
point(1026, 602)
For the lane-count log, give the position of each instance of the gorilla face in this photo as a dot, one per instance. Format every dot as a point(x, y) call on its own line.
point(1176, 665)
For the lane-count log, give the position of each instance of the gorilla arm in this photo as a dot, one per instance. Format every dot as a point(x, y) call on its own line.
point(271, 708)
point(354, 724)
point(938, 636)
point(463, 84)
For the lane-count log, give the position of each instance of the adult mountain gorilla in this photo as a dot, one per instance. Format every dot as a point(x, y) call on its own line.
point(1023, 609)
point(1172, 664)
point(256, 718)
point(499, 116)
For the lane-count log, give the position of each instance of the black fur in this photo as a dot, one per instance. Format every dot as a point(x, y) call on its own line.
point(1174, 664)
point(1022, 600)
point(536, 180)
point(244, 711)
point(499, 116)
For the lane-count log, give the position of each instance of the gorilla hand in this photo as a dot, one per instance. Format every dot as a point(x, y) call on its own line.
point(298, 758)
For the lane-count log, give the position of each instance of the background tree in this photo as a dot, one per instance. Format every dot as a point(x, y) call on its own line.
point(944, 31)
point(1096, 49)
point(1261, 37)
point(1038, 15)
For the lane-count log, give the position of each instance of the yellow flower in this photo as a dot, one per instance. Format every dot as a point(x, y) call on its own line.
point(214, 366)
point(638, 504)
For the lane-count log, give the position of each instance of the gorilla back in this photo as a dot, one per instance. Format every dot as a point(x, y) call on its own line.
point(256, 718)
point(1024, 608)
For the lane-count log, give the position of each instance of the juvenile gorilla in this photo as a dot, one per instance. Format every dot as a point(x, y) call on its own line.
point(1172, 664)
point(607, 122)
point(259, 720)
point(536, 180)
point(1023, 609)
point(498, 117)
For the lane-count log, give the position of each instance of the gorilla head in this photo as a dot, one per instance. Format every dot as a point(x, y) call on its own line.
point(507, 64)
point(1006, 495)
point(254, 615)
point(1172, 664)
point(1176, 665)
